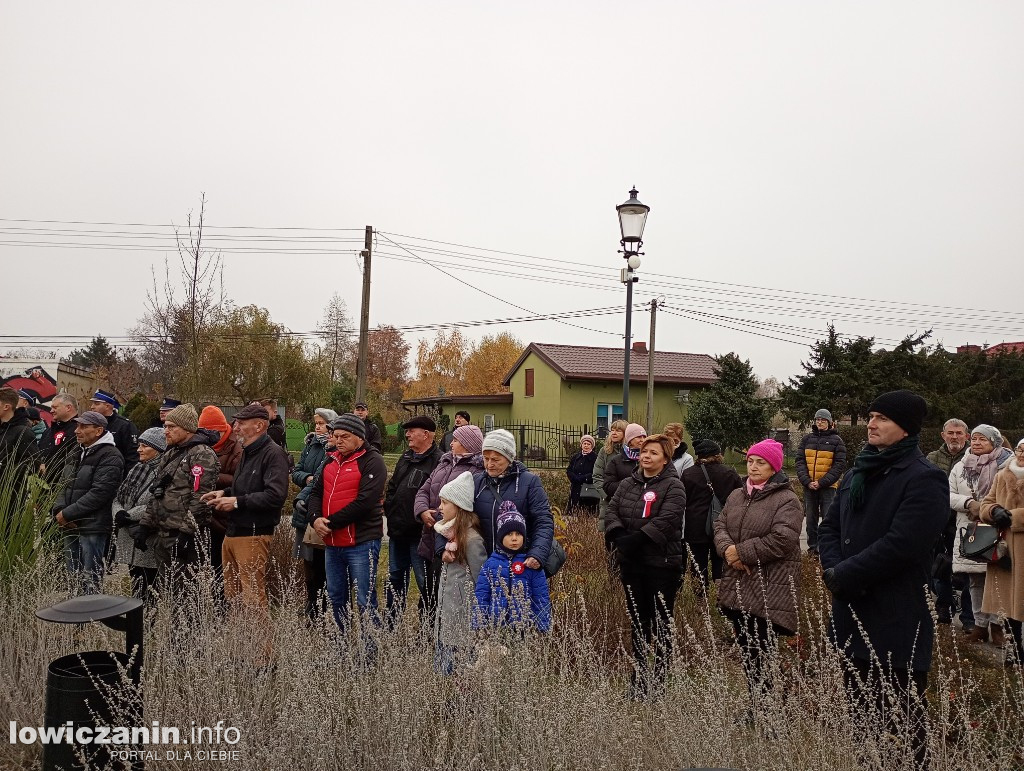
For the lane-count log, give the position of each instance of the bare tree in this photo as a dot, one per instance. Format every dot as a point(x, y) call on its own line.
point(335, 330)
point(171, 332)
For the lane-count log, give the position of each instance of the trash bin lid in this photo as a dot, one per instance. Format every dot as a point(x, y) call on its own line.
point(89, 607)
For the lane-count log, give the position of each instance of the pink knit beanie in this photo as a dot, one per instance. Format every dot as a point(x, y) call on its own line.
point(770, 450)
point(633, 430)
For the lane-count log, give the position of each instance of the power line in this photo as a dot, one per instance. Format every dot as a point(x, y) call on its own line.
point(483, 291)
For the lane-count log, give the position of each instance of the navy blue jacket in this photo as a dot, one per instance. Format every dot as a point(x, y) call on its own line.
point(525, 490)
point(509, 594)
point(881, 555)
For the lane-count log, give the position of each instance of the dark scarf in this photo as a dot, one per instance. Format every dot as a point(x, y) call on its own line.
point(872, 461)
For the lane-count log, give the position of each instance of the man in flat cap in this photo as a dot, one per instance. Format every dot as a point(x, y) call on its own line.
point(404, 530)
point(82, 509)
point(126, 435)
point(875, 545)
point(253, 504)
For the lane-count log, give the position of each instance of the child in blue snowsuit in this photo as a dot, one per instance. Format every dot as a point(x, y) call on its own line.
point(508, 594)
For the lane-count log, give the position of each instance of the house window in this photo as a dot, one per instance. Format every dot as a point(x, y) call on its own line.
point(529, 382)
point(488, 423)
point(606, 415)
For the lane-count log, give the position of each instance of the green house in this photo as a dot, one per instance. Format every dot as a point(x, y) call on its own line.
point(582, 386)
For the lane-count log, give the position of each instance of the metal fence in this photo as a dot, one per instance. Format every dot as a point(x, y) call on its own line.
point(545, 445)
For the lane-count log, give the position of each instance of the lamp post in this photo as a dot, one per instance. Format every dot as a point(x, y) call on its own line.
point(632, 218)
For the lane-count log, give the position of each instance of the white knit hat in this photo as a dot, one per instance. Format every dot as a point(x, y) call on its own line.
point(460, 491)
point(501, 441)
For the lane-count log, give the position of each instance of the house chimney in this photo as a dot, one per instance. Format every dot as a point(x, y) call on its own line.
point(639, 346)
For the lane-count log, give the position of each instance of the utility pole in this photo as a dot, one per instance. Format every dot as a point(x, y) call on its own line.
point(650, 371)
point(364, 319)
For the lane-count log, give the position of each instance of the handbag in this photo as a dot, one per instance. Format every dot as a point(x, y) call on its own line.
point(312, 538)
point(982, 543)
point(556, 558)
point(715, 509)
point(590, 493)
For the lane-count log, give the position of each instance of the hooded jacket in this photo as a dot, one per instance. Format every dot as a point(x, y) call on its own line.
point(411, 472)
point(186, 472)
point(86, 498)
point(663, 498)
point(525, 490)
point(821, 458)
point(348, 493)
point(511, 595)
point(261, 487)
point(764, 526)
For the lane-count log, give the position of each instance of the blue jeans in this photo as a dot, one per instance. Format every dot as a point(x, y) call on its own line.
point(816, 503)
point(85, 556)
point(349, 567)
point(401, 557)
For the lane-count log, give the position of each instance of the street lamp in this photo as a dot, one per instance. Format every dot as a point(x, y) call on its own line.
point(632, 218)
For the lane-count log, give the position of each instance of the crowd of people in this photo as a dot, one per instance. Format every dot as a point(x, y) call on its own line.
point(473, 527)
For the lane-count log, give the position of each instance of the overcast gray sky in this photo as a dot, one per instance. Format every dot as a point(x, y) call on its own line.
point(867, 150)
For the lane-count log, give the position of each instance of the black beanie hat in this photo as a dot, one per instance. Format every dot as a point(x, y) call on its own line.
point(905, 408)
point(705, 448)
point(351, 423)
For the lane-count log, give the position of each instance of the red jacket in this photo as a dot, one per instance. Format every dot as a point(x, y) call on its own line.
point(349, 494)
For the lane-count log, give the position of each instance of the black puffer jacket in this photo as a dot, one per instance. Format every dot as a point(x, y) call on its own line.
point(663, 527)
point(724, 480)
point(410, 473)
point(86, 499)
point(616, 469)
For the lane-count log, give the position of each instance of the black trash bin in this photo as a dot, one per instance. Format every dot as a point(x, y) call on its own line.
point(78, 685)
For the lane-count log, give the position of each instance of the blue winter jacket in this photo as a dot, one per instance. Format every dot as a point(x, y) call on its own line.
point(525, 490)
point(511, 595)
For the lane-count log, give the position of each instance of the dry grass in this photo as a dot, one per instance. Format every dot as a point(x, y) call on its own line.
point(557, 702)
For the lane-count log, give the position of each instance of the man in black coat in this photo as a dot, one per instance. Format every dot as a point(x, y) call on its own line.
point(875, 545)
point(404, 530)
point(253, 503)
point(82, 509)
point(17, 442)
point(58, 445)
point(126, 435)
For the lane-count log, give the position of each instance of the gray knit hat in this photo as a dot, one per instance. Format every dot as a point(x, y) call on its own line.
point(460, 491)
point(989, 432)
point(351, 423)
point(155, 438)
point(501, 441)
point(327, 414)
point(823, 414)
point(184, 416)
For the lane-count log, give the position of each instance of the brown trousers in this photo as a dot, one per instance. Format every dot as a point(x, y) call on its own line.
point(245, 561)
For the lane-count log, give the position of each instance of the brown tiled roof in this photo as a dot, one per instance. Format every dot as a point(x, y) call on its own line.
point(582, 362)
point(460, 399)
